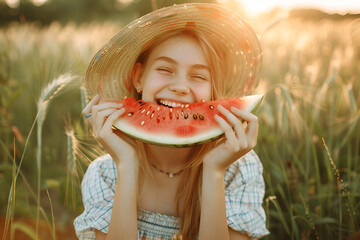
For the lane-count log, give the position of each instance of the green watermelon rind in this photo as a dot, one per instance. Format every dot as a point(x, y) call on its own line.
point(158, 139)
point(166, 140)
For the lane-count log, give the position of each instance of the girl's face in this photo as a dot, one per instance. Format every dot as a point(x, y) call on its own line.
point(175, 73)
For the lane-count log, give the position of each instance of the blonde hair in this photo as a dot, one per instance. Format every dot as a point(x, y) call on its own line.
point(189, 212)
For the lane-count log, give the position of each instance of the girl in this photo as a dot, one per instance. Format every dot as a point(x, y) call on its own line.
point(176, 55)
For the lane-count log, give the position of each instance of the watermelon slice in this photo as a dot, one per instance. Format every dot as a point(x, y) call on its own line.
point(181, 126)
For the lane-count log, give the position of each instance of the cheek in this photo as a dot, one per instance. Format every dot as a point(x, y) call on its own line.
point(154, 82)
point(152, 85)
point(202, 92)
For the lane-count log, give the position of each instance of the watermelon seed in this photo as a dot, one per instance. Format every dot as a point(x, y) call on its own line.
point(148, 112)
point(194, 116)
point(187, 105)
point(170, 115)
point(142, 123)
point(201, 117)
point(182, 112)
point(152, 115)
point(177, 116)
point(182, 105)
point(130, 113)
point(211, 106)
point(186, 116)
point(171, 110)
point(143, 111)
point(158, 108)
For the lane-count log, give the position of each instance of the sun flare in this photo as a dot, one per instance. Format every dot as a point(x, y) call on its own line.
point(256, 7)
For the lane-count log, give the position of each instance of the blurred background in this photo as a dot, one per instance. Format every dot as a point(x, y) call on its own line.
point(309, 137)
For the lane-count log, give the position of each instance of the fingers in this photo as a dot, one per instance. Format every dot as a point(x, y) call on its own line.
point(94, 101)
point(99, 108)
point(113, 117)
point(234, 121)
point(252, 124)
point(237, 135)
point(229, 133)
point(102, 115)
point(96, 105)
point(99, 118)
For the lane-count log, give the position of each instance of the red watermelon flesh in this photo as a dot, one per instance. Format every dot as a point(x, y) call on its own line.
point(187, 125)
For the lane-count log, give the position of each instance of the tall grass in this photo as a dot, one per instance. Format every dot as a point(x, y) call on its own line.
point(312, 92)
point(311, 82)
point(51, 91)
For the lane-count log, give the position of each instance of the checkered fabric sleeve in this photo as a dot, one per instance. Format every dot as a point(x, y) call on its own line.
point(98, 190)
point(244, 193)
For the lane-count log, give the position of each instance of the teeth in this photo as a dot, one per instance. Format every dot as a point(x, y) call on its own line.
point(170, 104)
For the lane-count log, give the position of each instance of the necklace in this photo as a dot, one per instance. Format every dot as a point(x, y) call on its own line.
point(171, 175)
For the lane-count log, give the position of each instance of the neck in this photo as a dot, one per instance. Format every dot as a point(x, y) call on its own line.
point(168, 159)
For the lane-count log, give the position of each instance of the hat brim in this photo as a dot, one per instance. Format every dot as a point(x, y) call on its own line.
point(109, 71)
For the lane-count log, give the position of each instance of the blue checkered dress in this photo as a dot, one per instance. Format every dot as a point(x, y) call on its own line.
point(244, 194)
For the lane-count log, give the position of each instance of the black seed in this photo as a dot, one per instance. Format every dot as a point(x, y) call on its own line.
point(194, 116)
point(201, 117)
point(186, 115)
point(130, 113)
point(211, 106)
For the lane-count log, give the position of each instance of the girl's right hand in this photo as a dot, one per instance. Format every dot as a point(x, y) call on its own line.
point(103, 114)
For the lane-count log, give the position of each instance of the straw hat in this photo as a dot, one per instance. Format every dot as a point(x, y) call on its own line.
point(109, 71)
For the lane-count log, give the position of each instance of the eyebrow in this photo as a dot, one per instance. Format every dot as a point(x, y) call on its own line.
point(172, 61)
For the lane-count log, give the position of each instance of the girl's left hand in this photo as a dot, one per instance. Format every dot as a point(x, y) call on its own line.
point(237, 142)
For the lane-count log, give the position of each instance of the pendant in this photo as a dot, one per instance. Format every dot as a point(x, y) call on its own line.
point(171, 175)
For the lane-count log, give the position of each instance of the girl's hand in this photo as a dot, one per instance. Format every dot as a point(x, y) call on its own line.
point(103, 114)
point(237, 142)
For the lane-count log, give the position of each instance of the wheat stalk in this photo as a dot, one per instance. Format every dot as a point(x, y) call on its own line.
point(77, 154)
point(52, 90)
point(343, 187)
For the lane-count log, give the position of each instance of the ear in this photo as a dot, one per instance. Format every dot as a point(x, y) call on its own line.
point(136, 75)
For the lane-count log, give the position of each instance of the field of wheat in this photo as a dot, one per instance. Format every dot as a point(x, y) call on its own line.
point(309, 136)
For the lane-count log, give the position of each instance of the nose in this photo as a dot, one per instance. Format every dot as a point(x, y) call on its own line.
point(179, 85)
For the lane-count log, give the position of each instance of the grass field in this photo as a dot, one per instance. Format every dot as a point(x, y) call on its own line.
point(309, 137)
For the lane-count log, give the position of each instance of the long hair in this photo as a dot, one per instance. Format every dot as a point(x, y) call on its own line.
point(189, 210)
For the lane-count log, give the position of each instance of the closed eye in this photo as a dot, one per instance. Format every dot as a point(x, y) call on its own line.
point(164, 70)
point(199, 77)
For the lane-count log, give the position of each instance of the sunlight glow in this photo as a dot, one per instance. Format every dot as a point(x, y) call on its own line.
point(125, 2)
point(13, 3)
point(256, 7)
point(39, 2)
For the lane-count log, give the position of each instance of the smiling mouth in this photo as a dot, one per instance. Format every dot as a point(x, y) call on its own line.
point(169, 104)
